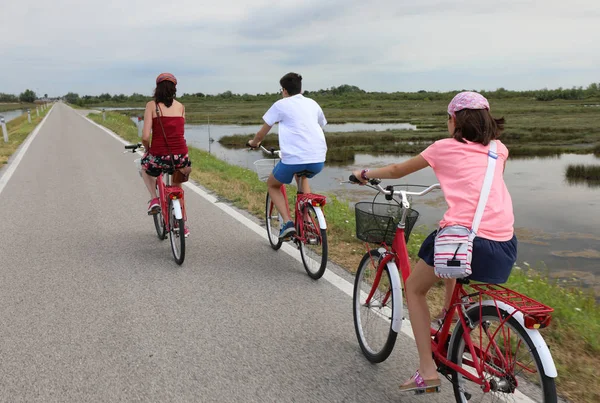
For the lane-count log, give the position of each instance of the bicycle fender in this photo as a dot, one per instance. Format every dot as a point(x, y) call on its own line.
point(395, 279)
point(177, 209)
point(534, 335)
point(320, 217)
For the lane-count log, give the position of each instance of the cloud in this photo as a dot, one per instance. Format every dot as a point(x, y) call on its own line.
point(245, 46)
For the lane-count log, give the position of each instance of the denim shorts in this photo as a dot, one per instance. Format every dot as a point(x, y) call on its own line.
point(284, 173)
point(492, 261)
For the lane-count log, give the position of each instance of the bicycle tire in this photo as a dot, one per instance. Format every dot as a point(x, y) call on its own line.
point(273, 224)
point(313, 249)
point(378, 347)
point(176, 235)
point(159, 223)
point(505, 386)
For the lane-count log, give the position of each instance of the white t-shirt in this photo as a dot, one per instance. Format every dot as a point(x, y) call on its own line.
point(301, 137)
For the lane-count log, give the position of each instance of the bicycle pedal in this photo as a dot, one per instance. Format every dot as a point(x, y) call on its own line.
point(430, 389)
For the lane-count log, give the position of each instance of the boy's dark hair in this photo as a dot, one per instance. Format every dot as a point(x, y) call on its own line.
point(165, 93)
point(292, 83)
point(477, 125)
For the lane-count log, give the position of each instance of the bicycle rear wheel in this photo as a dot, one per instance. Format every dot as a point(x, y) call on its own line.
point(373, 320)
point(313, 248)
point(509, 358)
point(273, 223)
point(176, 235)
point(159, 222)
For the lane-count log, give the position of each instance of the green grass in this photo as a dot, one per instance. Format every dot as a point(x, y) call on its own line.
point(12, 107)
point(574, 335)
point(18, 129)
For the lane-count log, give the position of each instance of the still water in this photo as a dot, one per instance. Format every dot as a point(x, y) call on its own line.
point(557, 223)
point(10, 115)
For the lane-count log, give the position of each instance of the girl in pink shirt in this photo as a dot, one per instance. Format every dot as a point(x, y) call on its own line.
point(460, 163)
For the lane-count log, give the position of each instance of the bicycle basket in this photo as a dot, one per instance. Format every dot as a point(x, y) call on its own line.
point(377, 222)
point(264, 167)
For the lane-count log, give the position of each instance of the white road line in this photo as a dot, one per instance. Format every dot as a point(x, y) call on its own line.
point(345, 286)
point(14, 163)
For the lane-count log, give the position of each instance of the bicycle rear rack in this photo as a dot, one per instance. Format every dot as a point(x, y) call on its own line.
point(535, 314)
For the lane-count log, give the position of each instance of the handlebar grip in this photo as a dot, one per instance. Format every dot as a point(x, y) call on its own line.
point(353, 179)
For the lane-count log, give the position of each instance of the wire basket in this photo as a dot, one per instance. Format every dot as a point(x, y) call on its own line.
point(377, 222)
point(264, 167)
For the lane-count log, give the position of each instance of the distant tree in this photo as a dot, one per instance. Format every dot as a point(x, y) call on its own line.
point(226, 94)
point(72, 98)
point(199, 95)
point(27, 96)
point(8, 98)
point(105, 97)
point(45, 96)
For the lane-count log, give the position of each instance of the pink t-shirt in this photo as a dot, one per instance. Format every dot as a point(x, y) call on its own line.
point(460, 169)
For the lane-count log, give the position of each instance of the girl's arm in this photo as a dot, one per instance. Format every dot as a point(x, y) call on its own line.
point(147, 125)
point(394, 171)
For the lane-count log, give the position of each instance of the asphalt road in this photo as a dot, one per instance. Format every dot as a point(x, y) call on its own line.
point(94, 308)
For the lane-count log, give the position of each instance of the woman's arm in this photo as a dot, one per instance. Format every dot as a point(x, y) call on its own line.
point(394, 171)
point(147, 125)
point(258, 138)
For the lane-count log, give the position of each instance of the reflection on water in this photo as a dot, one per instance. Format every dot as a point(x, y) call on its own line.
point(10, 115)
point(551, 215)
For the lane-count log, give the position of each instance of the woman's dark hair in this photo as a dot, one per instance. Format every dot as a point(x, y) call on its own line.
point(477, 125)
point(165, 93)
point(292, 83)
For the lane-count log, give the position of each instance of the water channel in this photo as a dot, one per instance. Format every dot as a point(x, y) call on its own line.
point(557, 223)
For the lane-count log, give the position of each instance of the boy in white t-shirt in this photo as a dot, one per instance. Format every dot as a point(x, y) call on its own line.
point(301, 140)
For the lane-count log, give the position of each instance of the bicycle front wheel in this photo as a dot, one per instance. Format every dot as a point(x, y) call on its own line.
point(177, 235)
point(508, 357)
point(373, 318)
point(273, 223)
point(313, 247)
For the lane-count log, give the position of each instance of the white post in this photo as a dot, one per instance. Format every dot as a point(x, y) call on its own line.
point(104, 115)
point(4, 131)
point(139, 125)
point(37, 111)
point(29, 115)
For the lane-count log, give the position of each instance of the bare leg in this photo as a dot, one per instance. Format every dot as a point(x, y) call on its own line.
point(150, 182)
point(277, 197)
point(449, 284)
point(421, 279)
point(302, 183)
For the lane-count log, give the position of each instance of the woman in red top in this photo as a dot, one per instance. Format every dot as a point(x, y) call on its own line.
point(158, 151)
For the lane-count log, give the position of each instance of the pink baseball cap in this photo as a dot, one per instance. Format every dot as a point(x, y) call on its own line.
point(467, 100)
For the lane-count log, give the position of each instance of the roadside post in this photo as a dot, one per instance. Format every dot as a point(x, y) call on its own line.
point(29, 115)
point(103, 115)
point(139, 125)
point(4, 131)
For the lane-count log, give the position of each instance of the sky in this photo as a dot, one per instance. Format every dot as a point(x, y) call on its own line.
point(245, 46)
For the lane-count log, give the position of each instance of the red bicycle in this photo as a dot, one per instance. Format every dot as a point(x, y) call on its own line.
point(493, 353)
point(172, 202)
point(309, 220)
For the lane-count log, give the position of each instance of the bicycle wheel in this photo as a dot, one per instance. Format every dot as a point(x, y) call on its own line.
point(373, 320)
point(176, 234)
point(509, 358)
point(273, 223)
point(313, 249)
point(159, 223)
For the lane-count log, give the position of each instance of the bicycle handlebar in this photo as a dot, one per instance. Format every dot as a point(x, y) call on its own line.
point(389, 190)
point(133, 147)
point(271, 151)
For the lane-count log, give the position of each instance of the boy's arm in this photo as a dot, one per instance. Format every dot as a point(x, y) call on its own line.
point(260, 135)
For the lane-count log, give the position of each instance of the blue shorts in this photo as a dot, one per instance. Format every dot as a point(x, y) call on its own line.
point(284, 173)
point(492, 261)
